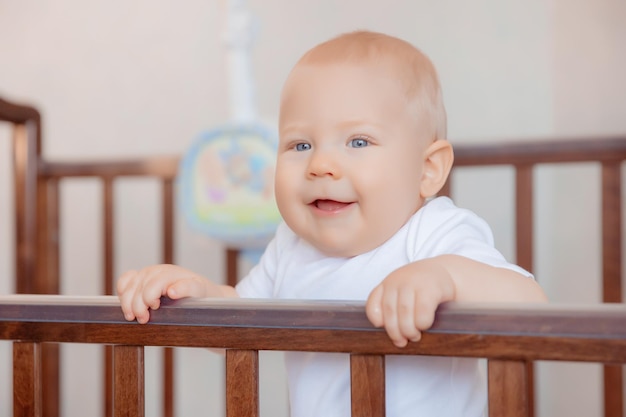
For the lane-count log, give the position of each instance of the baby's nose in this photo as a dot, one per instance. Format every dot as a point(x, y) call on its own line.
point(322, 164)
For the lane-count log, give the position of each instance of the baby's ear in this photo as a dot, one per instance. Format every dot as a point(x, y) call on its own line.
point(438, 159)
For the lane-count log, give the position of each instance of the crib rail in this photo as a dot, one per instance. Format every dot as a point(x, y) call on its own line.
point(553, 150)
point(504, 334)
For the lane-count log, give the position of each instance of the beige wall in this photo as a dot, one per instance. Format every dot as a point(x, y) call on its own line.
point(145, 77)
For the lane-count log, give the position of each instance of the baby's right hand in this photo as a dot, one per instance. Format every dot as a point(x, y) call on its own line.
point(140, 290)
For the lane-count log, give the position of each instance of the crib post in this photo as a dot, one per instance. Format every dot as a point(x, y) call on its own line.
point(167, 219)
point(46, 281)
point(612, 273)
point(524, 241)
point(27, 381)
point(367, 374)
point(128, 381)
point(508, 388)
point(242, 383)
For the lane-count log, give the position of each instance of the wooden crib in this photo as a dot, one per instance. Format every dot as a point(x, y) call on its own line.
point(511, 338)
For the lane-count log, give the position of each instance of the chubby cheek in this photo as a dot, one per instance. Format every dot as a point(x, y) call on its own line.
point(285, 190)
point(393, 200)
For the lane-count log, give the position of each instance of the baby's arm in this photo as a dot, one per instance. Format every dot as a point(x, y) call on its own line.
point(140, 290)
point(405, 302)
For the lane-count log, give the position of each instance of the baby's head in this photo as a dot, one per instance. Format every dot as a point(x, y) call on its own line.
point(362, 142)
point(400, 60)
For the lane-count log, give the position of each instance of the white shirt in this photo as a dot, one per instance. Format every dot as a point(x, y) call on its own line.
point(319, 383)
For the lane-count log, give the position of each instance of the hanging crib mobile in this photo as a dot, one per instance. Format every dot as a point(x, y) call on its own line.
point(227, 175)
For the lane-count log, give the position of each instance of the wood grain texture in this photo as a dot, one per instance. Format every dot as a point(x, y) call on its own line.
point(508, 389)
point(167, 220)
point(501, 331)
point(524, 244)
point(613, 381)
point(242, 383)
point(108, 255)
point(27, 382)
point(128, 381)
point(367, 384)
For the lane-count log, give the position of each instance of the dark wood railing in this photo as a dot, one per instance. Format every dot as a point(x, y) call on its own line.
point(505, 334)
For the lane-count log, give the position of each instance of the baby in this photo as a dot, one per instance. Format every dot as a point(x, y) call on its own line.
point(361, 156)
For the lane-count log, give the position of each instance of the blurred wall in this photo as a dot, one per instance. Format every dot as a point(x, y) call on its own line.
point(120, 79)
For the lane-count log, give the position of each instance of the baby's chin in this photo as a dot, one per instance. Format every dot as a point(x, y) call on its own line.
point(342, 251)
point(338, 245)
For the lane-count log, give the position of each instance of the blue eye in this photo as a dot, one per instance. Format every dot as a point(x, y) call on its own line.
point(302, 147)
point(358, 143)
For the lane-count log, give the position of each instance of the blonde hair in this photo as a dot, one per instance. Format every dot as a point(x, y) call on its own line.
point(412, 67)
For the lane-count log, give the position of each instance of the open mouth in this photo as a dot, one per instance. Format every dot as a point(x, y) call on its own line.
point(329, 205)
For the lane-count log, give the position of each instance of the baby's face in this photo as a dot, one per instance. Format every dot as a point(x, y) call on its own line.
point(349, 158)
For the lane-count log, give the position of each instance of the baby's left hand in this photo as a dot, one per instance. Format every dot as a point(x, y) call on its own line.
point(406, 301)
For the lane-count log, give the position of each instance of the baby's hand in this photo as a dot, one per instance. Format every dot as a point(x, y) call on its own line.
point(140, 290)
point(406, 301)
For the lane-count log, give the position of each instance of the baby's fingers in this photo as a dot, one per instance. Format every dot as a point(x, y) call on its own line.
point(125, 281)
point(373, 307)
point(188, 287)
point(127, 291)
point(138, 292)
point(425, 308)
point(385, 311)
point(407, 313)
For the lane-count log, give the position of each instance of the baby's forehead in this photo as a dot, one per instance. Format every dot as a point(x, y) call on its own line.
point(384, 69)
point(382, 63)
point(329, 68)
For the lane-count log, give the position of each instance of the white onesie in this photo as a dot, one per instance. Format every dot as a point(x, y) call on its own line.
point(319, 383)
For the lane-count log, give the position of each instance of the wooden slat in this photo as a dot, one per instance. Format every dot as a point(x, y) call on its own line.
point(524, 243)
point(524, 218)
point(25, 188)
point(107, 389)
point(612, 382)
point(612, 274)
point(51, 379)
point(367, 383)
point(27, 383)
point(167, 204)
point(611, 232)
point(232, 269)
point(242, 383)
point(508, 394)
point(168, 382)
point(47, 280)
point(108, 278)
point(128, 382)
point(108, 234)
